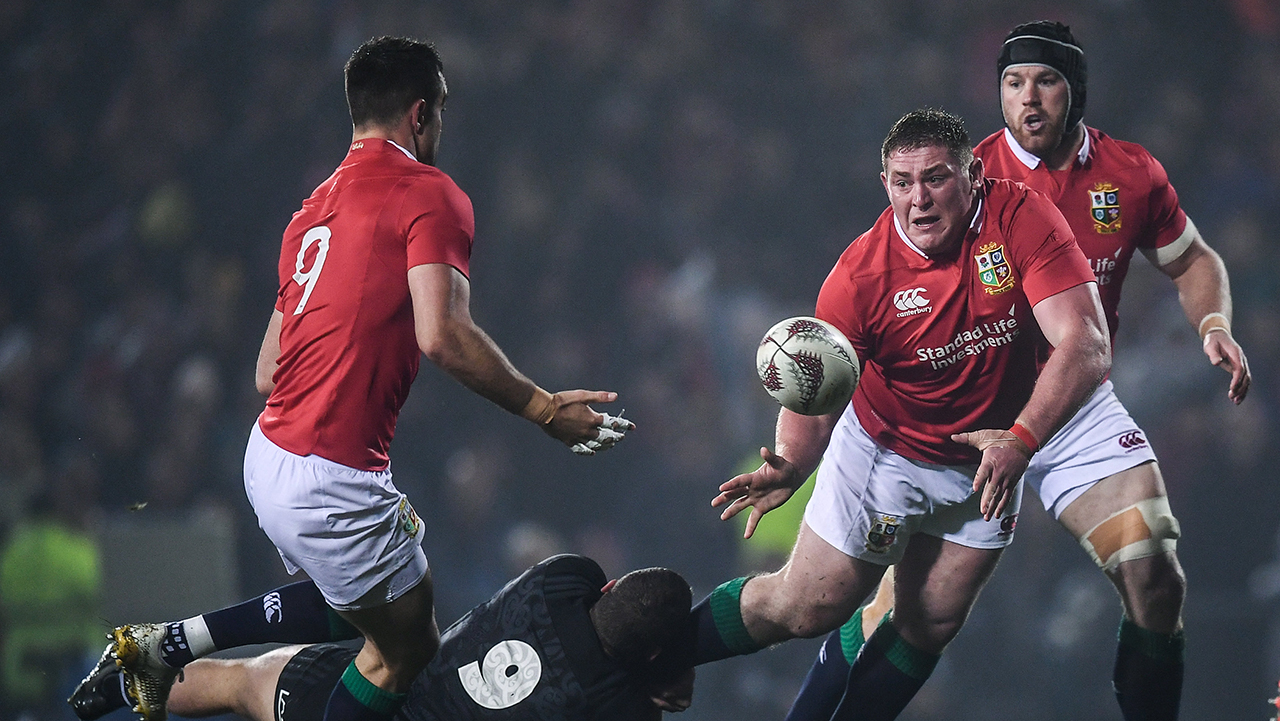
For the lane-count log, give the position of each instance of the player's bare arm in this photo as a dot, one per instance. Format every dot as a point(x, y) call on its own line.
point(800, 441)
point(269, 355)
point(1205, 295)
point(449, 337)
point(1073, 323)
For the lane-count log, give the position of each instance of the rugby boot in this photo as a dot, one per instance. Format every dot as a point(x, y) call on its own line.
point(147, 678)
point(100, 692)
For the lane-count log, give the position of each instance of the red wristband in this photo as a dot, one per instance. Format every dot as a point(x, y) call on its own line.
point(1025, 436)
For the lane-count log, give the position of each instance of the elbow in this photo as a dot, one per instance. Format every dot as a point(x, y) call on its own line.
point(264, 384)
point(438, 346)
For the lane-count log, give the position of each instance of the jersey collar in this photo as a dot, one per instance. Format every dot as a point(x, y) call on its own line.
point(406, 152)
point(371, 143)
point(975, 225)
point(1031, 161)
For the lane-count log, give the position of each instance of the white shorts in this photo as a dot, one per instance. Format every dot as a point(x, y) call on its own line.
point(868, 500)
point(1101, 440)
point(353, 533)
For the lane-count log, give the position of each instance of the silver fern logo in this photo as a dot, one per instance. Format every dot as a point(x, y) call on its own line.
point(271, 607)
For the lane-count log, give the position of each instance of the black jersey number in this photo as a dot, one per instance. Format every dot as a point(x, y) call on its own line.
point(506, 676)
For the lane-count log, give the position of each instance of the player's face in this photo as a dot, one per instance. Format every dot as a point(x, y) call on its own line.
point(931, 195)
point(1035, 100)
point(427, 139)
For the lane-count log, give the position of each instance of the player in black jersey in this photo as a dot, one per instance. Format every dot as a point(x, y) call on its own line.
point(558, 643)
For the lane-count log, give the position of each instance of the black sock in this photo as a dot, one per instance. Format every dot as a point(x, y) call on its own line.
point(884, 678)
point(296, 613)
point(1148, 673)
point(355, 698)
point(823, 685)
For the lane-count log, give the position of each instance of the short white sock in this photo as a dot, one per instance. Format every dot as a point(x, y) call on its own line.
point(198, 638)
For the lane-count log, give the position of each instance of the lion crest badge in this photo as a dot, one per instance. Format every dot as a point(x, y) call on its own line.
point(883, 533)
point(993, 269)
point(1104, 208)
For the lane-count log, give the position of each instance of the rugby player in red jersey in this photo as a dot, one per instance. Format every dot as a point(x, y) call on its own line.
point(922, 468)
point(373, 271)
point(1098, 476)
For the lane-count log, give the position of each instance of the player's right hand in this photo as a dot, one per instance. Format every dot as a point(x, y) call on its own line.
point(1226, 353)
point(1004, 460)
point(764, 489)
point(584, 430)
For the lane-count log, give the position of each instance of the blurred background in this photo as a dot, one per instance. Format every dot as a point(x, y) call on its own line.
point(655, 183)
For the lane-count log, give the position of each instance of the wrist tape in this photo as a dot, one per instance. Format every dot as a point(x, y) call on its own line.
point(541, 408)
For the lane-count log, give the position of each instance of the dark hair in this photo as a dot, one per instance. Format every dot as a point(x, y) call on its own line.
point(1049, 43)
point(386, 76)
point(922, 128)
point(645, 612)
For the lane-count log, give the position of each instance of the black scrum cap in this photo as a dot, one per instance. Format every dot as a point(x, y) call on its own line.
point(1050, 44)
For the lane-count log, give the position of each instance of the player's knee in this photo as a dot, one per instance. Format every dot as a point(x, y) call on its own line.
point(1153, 585)
point(405, 661)
point(814, 617)
point(928, 631)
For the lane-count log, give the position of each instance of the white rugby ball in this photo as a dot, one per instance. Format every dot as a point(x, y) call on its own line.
point(808, 366)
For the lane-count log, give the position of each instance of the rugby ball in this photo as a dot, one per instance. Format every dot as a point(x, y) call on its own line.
point(808, 366)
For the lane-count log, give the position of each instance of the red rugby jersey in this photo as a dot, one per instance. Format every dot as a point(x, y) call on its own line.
point(348, 352)
point(948, 343)
point(1115, 196)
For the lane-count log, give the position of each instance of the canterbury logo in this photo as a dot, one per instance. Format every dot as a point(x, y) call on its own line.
point(1133, 439)
point(280, 704)
point(910, 299)
point(271, 607)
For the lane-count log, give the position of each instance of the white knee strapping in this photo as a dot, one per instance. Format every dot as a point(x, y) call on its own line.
point(1147, 528)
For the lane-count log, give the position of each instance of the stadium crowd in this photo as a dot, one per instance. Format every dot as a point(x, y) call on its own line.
point(655, 184)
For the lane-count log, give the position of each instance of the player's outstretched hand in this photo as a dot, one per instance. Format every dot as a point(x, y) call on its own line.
point(585, 431)
point(674, 696)
point(1004, 460)
point(1226, 353)
point(764, 489)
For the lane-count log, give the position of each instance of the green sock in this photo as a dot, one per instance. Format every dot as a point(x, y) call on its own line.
point(718, 628)
point(726, 610)
point(363, 692)
point(851, 639)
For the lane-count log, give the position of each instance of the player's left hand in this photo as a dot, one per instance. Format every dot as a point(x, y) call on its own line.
point(1004, 460)
point(585, 431)
point(1226, 353)
point(674, 696)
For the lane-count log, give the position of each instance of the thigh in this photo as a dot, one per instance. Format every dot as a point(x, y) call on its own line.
point(243, 686)
point(400, 630)
point(351, 530)
point(868, 500)
point(305, 683)
point(1111, 495)
point(1100, 441)
point(935, 586)
point(817, 590)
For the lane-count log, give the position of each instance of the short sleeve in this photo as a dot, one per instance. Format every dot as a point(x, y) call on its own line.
point(441, 224)
point(837, 306)
point(1046, 255)
point(1171, 232)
